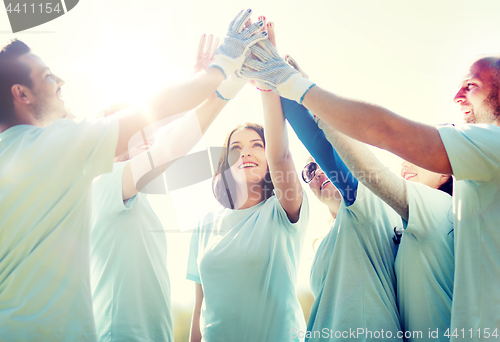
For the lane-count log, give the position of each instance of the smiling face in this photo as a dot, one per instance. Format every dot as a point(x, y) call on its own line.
point(478, 95)
point(247, 157)
point(322, 187)
point(414, 173)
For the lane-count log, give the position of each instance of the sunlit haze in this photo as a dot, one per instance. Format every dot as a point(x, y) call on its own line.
point(406, 56)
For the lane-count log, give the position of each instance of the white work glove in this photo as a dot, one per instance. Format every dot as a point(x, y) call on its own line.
point(230, 87)
point(235, 47)
point(204, 56)
point(272, 70)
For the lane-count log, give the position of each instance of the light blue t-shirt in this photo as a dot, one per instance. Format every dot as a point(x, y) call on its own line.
point(352, 276)
point(130, 283)
point(246, 261)
point(425, 264)
point(45, 208)
point(474, 154)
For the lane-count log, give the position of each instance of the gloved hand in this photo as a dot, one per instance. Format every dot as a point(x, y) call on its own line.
point(235, 47)
point(231, 86)
point(272, 70)
point(204, 56)
point(272, 38)
point(290, 60)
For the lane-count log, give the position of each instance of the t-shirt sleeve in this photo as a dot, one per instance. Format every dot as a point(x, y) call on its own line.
point(428, 208)
point(472, 150)
point(90, 144)
point(192, 266)
point(107, 195)
point(282, 218)
point(366, 206)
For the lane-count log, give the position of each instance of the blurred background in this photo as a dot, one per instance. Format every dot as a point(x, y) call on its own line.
point(406, 56)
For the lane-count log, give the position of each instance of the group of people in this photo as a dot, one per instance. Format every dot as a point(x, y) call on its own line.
point(407, 258)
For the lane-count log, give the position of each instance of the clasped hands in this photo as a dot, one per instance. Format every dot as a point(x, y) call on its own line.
point(248, 52)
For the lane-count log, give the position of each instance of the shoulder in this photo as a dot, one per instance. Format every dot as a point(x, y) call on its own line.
point(425, 201)
point(421, 190)
point(472, 150)
point(469, 134)
point(364, 196)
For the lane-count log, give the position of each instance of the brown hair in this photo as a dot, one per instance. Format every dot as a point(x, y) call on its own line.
point(223, 183)
point(12, 71)
point(447, 186)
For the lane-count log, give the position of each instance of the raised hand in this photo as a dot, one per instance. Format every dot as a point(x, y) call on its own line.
point(205, 56)
point(272, 38)
point(269, 68)
point(235, 47)
point(290, 60)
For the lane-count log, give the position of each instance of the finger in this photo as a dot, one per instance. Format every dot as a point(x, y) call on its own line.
point(271, 33)
point(247, 24)
point(209, 46)
point(214, 47)
point(290, 60)
point(235, 19)
point(201, 47)
point(267, 46)
point(240, 20)
point(253, 65)
point(263, 19)
point(260, 53)
point(252, 29)
point(256, 38)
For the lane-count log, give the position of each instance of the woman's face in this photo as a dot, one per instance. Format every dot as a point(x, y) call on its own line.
point(414, 173)
point(247, 157)
point(322, 187)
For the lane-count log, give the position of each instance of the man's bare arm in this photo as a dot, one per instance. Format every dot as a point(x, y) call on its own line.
point(418, 143)
point(369, 170)
point(170, 101)
point(172, 144)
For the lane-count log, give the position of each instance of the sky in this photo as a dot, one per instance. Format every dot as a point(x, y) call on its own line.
point(408, 56)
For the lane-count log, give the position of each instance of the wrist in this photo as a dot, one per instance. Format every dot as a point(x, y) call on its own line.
point(264, 90)
point(216, 71)
point(225, 64)
point(295, 87)
point(229, 88)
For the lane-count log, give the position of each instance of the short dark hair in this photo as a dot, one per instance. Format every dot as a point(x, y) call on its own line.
point(223, 183)
point(493, 62)
point(12, 71)
point(447, 186)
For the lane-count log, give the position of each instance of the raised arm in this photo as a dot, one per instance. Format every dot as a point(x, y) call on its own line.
point(174, 142)
point(365, 122)
point(416, 142)
point(179, 137)
point(184, 96)
point(337, 149)
point(282, 169)
point(314, 140)
point(369, 170)
point(320, 149)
